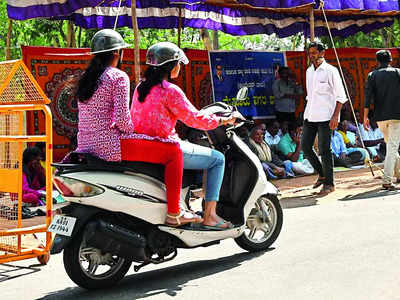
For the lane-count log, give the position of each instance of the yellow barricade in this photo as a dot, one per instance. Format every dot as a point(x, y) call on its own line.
point(19, 93)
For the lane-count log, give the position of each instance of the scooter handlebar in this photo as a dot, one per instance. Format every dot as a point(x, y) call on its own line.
point(244, 121)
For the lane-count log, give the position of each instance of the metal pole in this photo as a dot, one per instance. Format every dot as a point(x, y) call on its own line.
point(136, 41)
point(312, 24)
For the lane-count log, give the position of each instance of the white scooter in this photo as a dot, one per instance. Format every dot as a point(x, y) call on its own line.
point(117, 211)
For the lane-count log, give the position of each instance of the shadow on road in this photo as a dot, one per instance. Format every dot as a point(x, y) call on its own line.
point(167, 281)
point(8, 272)
point(376, 193)
point(299, 201)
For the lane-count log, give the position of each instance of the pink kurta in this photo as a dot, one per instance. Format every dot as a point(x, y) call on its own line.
point(164, 105)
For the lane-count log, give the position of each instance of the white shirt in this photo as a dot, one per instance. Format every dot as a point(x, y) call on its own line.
point(324, 89)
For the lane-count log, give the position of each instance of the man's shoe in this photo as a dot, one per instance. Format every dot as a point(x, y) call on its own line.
point(326, 189)
point(319, 182)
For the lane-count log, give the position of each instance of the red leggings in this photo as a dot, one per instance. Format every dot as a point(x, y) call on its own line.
point(168, 154)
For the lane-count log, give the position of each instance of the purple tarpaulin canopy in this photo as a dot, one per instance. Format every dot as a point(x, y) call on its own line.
point(283, 17)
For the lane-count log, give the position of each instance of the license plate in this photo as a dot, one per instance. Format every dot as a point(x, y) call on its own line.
point(62, 225)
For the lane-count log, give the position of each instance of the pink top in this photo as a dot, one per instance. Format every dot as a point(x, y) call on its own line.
point(164, 105)
point(104, 119)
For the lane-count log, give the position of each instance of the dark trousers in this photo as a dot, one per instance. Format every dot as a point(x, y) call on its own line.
point(310, 131)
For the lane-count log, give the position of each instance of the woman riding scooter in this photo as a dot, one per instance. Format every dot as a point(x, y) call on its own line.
point(105, 125)
point(158, 104)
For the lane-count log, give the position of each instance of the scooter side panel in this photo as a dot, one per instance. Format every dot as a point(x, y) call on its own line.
point(263, 186)
point(115, 201)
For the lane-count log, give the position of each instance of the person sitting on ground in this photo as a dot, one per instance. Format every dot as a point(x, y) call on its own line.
point(351, 124)
point(243, 133)
point(284, 128)
point(343, 156)
point(272, 134)
point(33, 178)
point(289, 146)
point(263, 151)
point(352, 141)
point(374, 141)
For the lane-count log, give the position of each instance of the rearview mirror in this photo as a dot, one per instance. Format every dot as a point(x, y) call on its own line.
point(242, 94)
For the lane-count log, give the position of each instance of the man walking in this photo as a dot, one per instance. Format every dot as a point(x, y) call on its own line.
point(325, 97)
point(383, 90)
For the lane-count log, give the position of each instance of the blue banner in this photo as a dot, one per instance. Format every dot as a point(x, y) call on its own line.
point(232, 70)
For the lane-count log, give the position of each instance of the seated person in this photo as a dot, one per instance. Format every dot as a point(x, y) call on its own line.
point(289, 146)
point(350, 139)
point(243, 133)
point(351, 124)
point(274, 168)
point(343, 156)
point(33, 178)
point(374, 141)
point(272, 134)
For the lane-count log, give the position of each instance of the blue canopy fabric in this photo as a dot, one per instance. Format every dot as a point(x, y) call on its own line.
point(241, 17)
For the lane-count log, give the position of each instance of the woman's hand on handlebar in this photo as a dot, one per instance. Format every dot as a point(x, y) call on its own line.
point(232, 119)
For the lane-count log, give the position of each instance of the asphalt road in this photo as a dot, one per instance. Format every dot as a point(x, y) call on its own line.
point(333, 250)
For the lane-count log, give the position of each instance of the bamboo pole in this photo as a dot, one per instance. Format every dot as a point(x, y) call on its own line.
point(136, 41)
point(179, 27)
point(8, 42)
point(215, 40)
point(205, 36)
point(312, 24)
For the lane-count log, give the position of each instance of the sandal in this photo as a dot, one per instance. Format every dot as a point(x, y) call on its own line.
point(389, 187)
point(182, 218)
point(218, 226)
point(319, 182)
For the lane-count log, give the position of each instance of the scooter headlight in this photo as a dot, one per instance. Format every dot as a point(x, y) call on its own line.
point(70, 187)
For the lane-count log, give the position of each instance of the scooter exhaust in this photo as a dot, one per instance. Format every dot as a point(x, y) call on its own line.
point(110, 238)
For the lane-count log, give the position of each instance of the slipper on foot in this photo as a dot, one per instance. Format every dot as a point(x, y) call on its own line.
point(218, 226)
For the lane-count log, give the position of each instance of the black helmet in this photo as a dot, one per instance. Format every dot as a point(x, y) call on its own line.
point(107, 40)
point(164, 52)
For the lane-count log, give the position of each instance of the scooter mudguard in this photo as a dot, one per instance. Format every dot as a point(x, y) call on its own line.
point(83, 214)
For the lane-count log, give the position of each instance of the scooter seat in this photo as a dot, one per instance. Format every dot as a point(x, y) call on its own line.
point(89, 162)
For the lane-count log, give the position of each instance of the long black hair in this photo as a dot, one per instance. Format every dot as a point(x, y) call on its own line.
point(90, 79)
point(153, 76)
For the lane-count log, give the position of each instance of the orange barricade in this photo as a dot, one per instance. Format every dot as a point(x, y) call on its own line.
point(20, 93)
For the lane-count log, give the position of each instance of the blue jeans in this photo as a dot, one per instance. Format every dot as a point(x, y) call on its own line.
point(197, 157)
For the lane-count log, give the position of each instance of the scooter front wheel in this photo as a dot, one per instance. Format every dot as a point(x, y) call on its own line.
point(89, 268)
point(263, 225)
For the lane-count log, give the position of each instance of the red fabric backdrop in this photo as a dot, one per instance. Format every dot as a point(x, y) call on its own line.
point(53, 72)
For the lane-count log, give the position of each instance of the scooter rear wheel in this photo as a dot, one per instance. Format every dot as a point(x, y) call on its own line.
point(91, 269)
point(263, 225)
